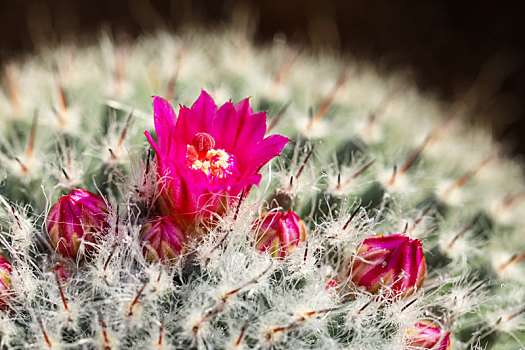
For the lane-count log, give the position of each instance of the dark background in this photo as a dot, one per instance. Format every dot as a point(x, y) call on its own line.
point(455, 48)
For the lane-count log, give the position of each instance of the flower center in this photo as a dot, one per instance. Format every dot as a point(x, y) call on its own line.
point(203, 142)
point(215, 163)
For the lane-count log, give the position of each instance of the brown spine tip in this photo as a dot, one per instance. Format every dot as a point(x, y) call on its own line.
point(304, 162)
point(351, 217)
point(515, 259)
point(463, 232)
point(32, 136)
point(170, 94)
point(393, 177)
point(46, 337)
point(136, 300)
point(278, 117)
point(327, 102)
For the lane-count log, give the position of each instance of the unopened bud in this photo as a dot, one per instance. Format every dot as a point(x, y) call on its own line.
point(162, 239)
point(75, 219)
point(426, 335)
point(279, 233)
point(393, 264)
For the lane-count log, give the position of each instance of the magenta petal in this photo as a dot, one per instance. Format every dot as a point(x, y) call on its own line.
point(5, 281)
point(183, 195)
point(197, 119)
point(371, 272)
point(165, 119)
point(253, 179)
point(243, 108)
point(386, 242)
point(426, 335)
point(187, 125)
point(152, 142)
point(160, 156)
point(237, 133)
point(177, 152)
point(269, 148)
point(204, 108)
point(250, 132)
point(225, 126)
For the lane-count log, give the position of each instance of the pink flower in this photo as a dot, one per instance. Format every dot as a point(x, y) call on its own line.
point(279, 233)
point(5, 280)
point(75, 219)
point(207, 156)
point(426, 335)
point(162, 239)
point(395, 261)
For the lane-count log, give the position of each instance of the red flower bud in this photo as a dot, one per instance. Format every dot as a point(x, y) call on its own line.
point(278, 233)
point(75, 219)
point(162, 239)
point(5, 280)
point(395, 262)
point(426, 335)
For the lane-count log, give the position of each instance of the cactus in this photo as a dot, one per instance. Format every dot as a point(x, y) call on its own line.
point(371, 155)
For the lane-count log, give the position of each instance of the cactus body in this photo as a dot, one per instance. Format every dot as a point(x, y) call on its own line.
point(370, 154)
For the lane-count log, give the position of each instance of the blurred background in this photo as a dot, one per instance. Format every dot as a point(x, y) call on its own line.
point(474, 50)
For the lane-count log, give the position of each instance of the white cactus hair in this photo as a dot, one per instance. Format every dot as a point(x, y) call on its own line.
point(371, 154)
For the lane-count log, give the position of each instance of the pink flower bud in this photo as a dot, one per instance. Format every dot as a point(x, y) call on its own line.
point(162, 239)
point(426, 335)
point(278, 233)
point(75, 219)
point(5, 280)
point(395, 262)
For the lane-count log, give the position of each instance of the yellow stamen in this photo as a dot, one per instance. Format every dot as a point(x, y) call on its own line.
point(215, 162)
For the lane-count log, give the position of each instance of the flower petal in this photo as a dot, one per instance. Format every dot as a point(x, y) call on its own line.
point(250, 133)
point(165, 120)
point(243, 108)
point(238, 132)
point(225, 126)
point(269, 148)
point(197, 119)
